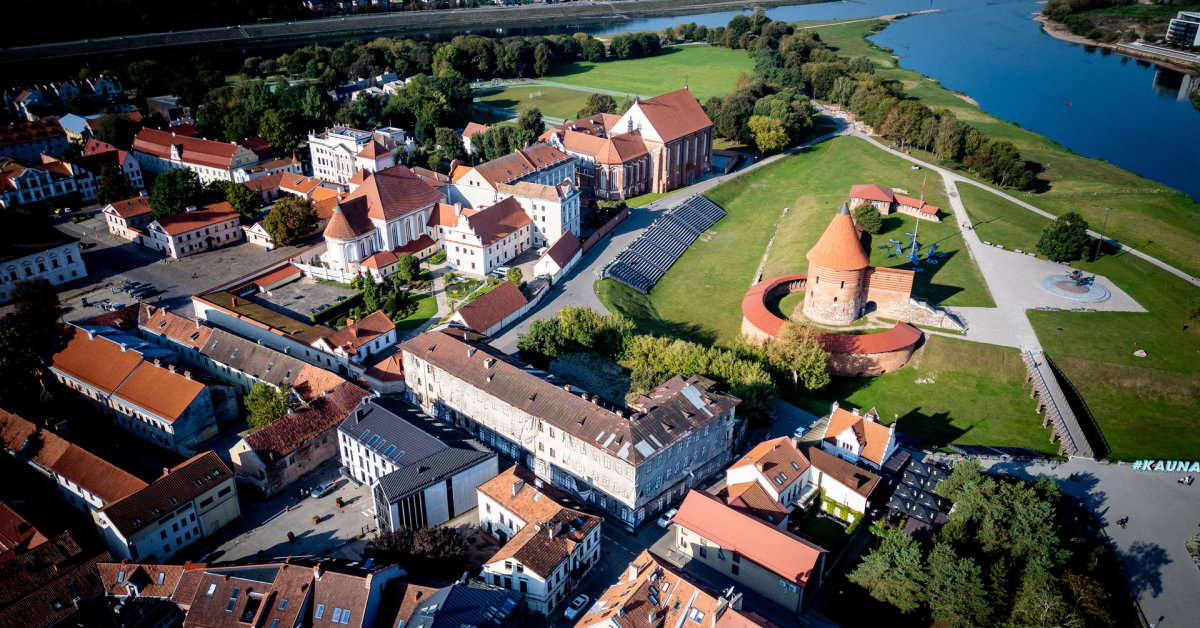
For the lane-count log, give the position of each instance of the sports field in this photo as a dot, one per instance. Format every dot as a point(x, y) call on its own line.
point(555, 102)
point(705, 70)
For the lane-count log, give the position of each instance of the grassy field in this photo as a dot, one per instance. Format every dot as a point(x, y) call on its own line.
point(426, 309)
point(813, 184)
point(978, 397)
point(1158, 220)
point(705, 70)
point(556, 102)
point(1000, 221)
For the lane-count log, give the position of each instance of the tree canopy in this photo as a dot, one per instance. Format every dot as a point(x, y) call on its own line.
point(265, 403)
point(868, 217)
point(597, 103)
point(1065, 239)
point(113, 186)
point(435, 552)
point(175, 190)
point(290, 220)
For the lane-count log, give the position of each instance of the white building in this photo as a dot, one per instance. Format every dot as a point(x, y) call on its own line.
point(416, 480)
point(128, 218)
point(777, 476)
point(548, 548)
point(560, 257)
point(21, 184)
point(161, 151)
point(42, 253)
point(340, 152)
point(478, 241)
point(1184, 29)
point(360, 339)
point(195, 230)
point(631, 461)
point(859, 438)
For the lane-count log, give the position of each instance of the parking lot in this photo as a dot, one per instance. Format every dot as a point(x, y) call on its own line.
point(302, 297)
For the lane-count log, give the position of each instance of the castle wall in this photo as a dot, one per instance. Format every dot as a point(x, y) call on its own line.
point(868, 364)
point(835, 297)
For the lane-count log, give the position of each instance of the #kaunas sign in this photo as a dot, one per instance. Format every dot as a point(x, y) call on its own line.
point(1174, 466)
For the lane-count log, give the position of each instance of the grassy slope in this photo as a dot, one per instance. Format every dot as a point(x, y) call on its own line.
point(555, 102)
point(1143, 406)
point(1158, 220)
point(812, 183)
point(707, 71)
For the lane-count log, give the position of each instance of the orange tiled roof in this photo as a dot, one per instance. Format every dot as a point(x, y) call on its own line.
point(352, 337)
point(185, 331)
point(871, 434)
point(839, 247)
point(752, 499)
point(773, 457)
point(675, 114)
point(520, 163)
point(871, 192)
point(491, 308)
point(193, 150)
point(473, 128)
point(498, 221)
point(99, 362)
point(394, 192)
point(373, 151)
point(183, 222)
point(917, 204)
point(348, 221)
point(131, 207)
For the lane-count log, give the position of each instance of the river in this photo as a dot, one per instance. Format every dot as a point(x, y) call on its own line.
point(1129, 112)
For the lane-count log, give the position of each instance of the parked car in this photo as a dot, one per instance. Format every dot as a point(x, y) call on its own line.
point(667, 517)
point(499, 272)
point(800, 432)
point(113, 307)
point(577, 605)
point(323, 489)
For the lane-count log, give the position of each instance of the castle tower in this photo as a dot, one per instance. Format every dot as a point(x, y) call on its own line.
point(836, 273)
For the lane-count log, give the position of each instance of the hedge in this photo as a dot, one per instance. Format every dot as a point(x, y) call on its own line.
point(337, 310)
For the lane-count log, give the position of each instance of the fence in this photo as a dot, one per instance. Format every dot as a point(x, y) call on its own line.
point(605, 230)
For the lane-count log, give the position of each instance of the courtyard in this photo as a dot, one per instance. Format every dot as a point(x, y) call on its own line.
point(304, 296)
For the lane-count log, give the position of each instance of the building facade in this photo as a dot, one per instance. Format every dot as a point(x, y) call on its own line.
point(340, 152)
point(129, 218)
point(1184, 29)
point(630, 462)
point(29, 140)
point(161, 151)
point(55, 258)
point(195, 230)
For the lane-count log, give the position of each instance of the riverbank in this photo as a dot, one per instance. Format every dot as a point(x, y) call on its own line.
point(1059, 31)
point(398, 24)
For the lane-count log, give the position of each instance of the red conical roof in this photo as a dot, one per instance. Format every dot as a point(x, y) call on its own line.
point(839, 247)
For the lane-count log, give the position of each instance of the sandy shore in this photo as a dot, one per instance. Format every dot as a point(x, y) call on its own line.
point(1059, 31)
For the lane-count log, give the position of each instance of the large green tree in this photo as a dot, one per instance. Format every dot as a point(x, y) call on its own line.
point(894, 573)
point(265, 403)
point(597, 103)
point(117, 130)
point(113, 186)
point(243, 200)
point(290, 220)
point(798, 353)
point(956, 595)
point(173, 191)
point(868, 217)
point(1065, 239)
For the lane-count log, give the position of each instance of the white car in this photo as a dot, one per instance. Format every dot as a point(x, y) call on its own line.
point(665, 520)
point(323, 489)
point(577, 606)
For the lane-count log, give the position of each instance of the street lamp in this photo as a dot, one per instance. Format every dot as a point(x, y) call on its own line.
point(1107, 210)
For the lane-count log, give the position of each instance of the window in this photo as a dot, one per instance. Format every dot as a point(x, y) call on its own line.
point(204, 502)
point(697, 615)
point(346, 616)
point(734, 569)
point(320, 612)
point(233, 599)
point(702, 550)
point(720, 554)
point(223, 492)
point(212, 588)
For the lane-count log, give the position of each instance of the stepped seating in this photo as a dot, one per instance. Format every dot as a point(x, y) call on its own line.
point(648, 258)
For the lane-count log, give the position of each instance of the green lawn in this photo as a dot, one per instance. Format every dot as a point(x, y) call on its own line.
point(1158, 220)
point(555, 102)
point(426, 309)
point(999, 221)
point(705, 70)
point(813, 184)
point(978, 397)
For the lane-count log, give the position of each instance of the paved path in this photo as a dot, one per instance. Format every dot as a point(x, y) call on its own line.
point(1163, 515)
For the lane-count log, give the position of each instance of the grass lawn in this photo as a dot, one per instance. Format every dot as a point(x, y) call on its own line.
point(1158, 220)
point(647, 198)
point(705, 70)
point(999, 221)
point(555, 102)
point(979, 397)
point(813, 184)
point(426, 309)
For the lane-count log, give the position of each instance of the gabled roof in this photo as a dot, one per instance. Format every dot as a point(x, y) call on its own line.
point(779, 552)
point(60, 592)
point(563, 249)
point(16, 534)
point(394, 192)
point(519, 163)
point(542, 546)
point(192, 150)
point(180, 484)
point(156, 389)
point(871, 434)
point(30, 131)
point(183, 222)
point(157, 581)
point(622, 148)
point(486, 311)
point(917, 204)
point(752, 499)
point(183, 331)
point(848, 474)
point(362, 332)
point(97, 361)
point(839, 247)
point(474, 128)
point(675, 114)
point(872, 192)
point(348, 221)
point(287, 433)
point(778, 460)
point(373, 151)
point(497, 221)
point(444, 215)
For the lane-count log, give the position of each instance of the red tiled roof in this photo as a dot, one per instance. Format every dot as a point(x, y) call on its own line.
point(473, 128)
point(900, 336)
point(784, 554)
point(497, 221)
point(394, 192)
point(622, 148)
point(58, 599)
point(488, 310)
point(115, 577)
point(132, 116)
point(391, 369)
point(839, 247)
point(192, 150)
point(563, 249)
point(37, 130)
point(675, 114)
point(752, 499)
point(348, 221)
point(131, 207)
point(353, 336)
point(520, 163)
point(773, 457)
point(287, 433)
point(444, 215)
point(185, 331)
point(871, 192)
point(848, 474)
point(917, 204)
point(16, 534)
point(183, 222)
point(99, 362)
point(185, 130)
point(872, 435)
point(373, 151)
point(158, 390)
point(183, 482)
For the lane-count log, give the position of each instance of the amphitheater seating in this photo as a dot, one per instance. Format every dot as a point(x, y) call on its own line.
point(648, 258)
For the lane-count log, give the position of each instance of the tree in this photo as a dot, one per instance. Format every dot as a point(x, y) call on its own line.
point(868, 217)
point(265, 403)
point(113, 186)
point(1040, 603)
point(290, 220)
point(514, 275)
point(431, 552)
point(543, 59)
point(173, 191)
point(956, 593)
point(450, 144)
point(408, 268)
point(74, 149)
point(530, 121)
point(799, 353)
point(592, 49)
point(243, 200)
point(597, 103)
point(282, 129)
point(117, 130)
point(19, 362)
point(544, 341)
point(768, 133)
point(894, 573)
point(1065, 239)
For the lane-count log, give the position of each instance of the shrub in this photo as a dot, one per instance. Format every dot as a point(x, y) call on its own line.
point(438, 258)
point(316, 519)
point(867, 216)
point(291, 536)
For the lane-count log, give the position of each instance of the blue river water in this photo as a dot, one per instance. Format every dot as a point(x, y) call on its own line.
point(1129, 112)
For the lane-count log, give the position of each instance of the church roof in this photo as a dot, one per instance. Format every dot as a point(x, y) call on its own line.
point(349, 223)
point(839, 247)
point(394, 192)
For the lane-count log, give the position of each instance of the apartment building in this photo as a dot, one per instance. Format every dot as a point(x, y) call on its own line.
point(338, 153)
point(29, 251)
point(161, 151)
point(196, 230)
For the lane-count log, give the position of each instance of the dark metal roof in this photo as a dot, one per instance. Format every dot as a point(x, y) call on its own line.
point(463, 605)
point(379, 428)
point(420, 474)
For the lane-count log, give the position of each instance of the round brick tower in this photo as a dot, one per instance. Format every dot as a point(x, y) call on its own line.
point(836, 273)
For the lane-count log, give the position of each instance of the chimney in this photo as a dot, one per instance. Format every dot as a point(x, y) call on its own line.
point(197, 323)
point(171, 368)
point(458, 209)
point(191, 208)
point(621, 610)
point(454, 164)
point(291, 411)
point(722, 603)
point(158, 362)
point(567, 387)
point(855, 411)
point(349, 321)
point(144, 193)
point(488, 362)
point(358, 415)
point(234, 302)
point(517, 486)
point(652, 616)
point(470, 351)
point(317, 571)
point(633, 571)
point(166, 471)
point(833, 408)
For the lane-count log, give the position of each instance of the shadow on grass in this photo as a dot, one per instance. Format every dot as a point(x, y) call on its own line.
point(503, 103)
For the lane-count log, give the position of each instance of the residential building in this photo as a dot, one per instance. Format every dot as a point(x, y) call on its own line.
point(659, 144)
point(274, 457)
point(386, 377)
point(271, 187)
point(268, 166)
point(24, 183)
point(849, 486)
point(196, 230)
point(778, 467)
point(479, 241)
point(143, 593)
point(360, 339)
point(85, 480)
point(548, 548)
point(493, 311)
point(777, 476)
point(98, 155)
point(859, 438)
point(129, 218)
point(161, 151)
point(629, 461)
point(55, 583)
point(541, 178)
point(385, 215)
point(887, 201)
point(416, 479)
point(16, 534)
point(28, 141)
point(298, 592)
point(30, 250)
point(1184, 29)
point(128, 380)
point(653, 592)
point(169, 108)
point(559, 258)
point(340, 152)
point(470, 131)
point(190, 501)
point(459, 605)
point(778, 565)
